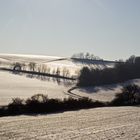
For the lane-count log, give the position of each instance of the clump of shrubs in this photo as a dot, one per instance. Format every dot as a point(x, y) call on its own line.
point(16, 106)
point(130, 96)
point(40, 103)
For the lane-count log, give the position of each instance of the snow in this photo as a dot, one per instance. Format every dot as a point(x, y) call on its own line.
point(110, 123)
point(12, 86)
point(104, 93)
point(30, 56)
point(52, 62)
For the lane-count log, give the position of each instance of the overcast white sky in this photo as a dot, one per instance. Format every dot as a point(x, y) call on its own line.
point(107, 28)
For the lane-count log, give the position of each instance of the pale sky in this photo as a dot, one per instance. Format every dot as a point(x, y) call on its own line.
point(109, 29)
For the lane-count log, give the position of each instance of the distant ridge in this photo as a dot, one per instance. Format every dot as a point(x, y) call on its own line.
point(29, 55)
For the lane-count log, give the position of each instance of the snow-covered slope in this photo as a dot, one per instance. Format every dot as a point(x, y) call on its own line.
point(53, 62)
point(117, 123)
point(12, 86)
point(103, 93)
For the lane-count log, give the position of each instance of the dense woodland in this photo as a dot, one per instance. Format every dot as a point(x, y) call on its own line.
point(123, 71)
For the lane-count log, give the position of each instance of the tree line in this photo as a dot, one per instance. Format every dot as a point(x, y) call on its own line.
point(41, 68)
point(87, 55)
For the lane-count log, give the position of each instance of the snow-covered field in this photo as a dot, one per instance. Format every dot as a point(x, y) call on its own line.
point(118, 123)
point(12, 86)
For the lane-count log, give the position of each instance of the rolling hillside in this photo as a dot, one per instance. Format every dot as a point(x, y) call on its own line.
point(25, 86)
point(110, 123)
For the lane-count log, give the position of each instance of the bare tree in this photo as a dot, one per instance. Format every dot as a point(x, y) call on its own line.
point(58, 71)
point(53, 72)
point(43, 69)
point(87, 56)
point(39, 68)
point(64, 71)
point(48, 70)
point(67, 73)
point(32, 66)
point(131, 59)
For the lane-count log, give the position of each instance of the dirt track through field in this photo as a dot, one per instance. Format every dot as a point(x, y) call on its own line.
point(93, 124)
